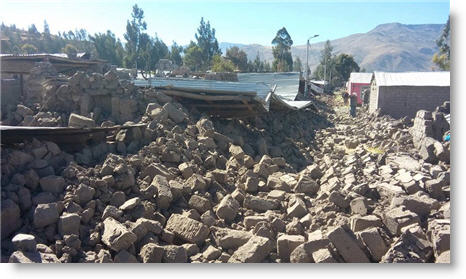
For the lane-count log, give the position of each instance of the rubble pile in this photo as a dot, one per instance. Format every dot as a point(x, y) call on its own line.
point(283, 187)
point(51, 98)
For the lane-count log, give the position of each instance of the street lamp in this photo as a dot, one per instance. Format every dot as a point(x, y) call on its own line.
point(307, 65)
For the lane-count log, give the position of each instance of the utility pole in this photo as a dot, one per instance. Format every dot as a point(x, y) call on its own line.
point(307, 65)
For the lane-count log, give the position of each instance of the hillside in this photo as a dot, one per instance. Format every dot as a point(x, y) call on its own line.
point(388, 47)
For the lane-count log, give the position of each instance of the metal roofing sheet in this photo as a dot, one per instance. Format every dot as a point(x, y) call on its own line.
point(412, 79)
point(360, 77)
point(209, 86)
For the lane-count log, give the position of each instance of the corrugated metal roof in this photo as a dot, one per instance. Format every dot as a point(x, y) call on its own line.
point(412, 79)
point(360, 77)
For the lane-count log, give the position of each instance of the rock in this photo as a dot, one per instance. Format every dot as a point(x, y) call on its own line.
point(275, 183)
point(359, 223)
point(439, 230)
point(125, 257)
point(230, 239)
point(32, 257)
point(399, 217)
point(418, 203)
point(142, 226)
point(24, 242)
point(227, 208)
point(84, 194)
point(259, 204)
point(286, 244)
point(197, 183)
point(186, 170)
point(45, 214)
point(116, 236)
point(130, 204)
point(347, 245)
point(111, 211)
point(300, 255)
point(199, 203)
point(164, 194)
point(306, 185)
point(211, 253)
point(11, 217)
point(69, 224)
point(374, 242)
point(251, 185)
point(175, 114)
point(52, 183)
point(191, 249)
point(187, 229)
point(254, 251)
point(323, 256)
point(297, 209)
point(236, 152)
point(79, 121)
point(434, 188)
point(174, 254)
point(443, 258)
point(314, 171)
point(339, 200)
point(359, 206)
point(389, 191)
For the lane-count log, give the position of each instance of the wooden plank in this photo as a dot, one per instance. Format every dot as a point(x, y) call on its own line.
point(205, 97)
point(247, 105)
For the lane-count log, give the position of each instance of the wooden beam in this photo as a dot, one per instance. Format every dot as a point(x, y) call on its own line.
point(205, 97)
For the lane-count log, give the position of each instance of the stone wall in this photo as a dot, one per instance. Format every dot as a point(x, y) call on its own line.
point(401, 101)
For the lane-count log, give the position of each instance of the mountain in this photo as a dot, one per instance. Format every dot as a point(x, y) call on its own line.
point(391, 47)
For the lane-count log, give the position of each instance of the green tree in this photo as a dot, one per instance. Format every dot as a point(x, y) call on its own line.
point(175, 54)
point(108, 47)
point(193, 57)
point(70, 50)
point(442, 57)
point(134, 31)
point(29, 49)
point(238, 58)
point(343, 66)
point(283, 61)
point(220, 64)
point(323, 70)
point(207, 43)
point(297, 65)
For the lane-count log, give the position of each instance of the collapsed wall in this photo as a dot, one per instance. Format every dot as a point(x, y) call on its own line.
point(280, 187)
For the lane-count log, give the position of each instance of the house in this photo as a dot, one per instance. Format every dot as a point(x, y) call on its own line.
point(358, 82)
point(403, 94)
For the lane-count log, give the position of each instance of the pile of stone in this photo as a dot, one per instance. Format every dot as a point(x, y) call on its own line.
point(187, 188)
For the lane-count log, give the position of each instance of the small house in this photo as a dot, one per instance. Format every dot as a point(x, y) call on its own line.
point(403, 94)
point(357, 83)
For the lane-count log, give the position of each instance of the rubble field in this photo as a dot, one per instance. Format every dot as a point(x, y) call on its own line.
point(311, 186)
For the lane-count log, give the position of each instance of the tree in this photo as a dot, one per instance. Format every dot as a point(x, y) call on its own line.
point(323, 70)
point(343, 66)
point(175, 54)
point(193, 57)
point(297, 65)
point(28, 49)
point(220, 64)
point(134, 30)
point(108, 47)
point(238, 57)
point(70, 50)
point(283, 61)
point(33, 30)
point(442, 57)
point(207, 43)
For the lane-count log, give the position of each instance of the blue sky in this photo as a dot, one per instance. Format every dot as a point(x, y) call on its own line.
point(235, 21)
